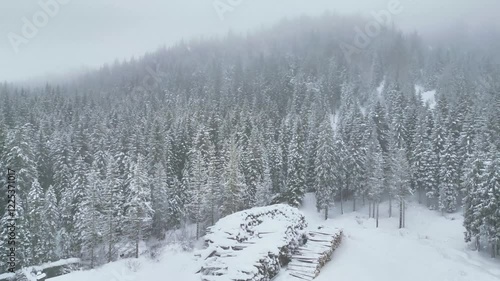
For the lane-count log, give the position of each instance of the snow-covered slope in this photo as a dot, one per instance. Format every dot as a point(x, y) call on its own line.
point(431, 248)
point(174, 264)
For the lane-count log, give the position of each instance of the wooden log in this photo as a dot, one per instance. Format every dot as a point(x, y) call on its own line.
point(303, 275)
point(297, 276)
point(322, 233)
point(302, 265)
point(306, 269)
point(312, 256)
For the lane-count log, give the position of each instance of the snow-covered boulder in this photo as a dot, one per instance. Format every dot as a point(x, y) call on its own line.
point(252, 245)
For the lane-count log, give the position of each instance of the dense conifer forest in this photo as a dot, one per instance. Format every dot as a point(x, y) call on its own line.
point(193, 132)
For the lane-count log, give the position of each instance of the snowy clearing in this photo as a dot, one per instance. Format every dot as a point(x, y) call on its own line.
point(431, 248)
point(174, 264)
point(427, 96)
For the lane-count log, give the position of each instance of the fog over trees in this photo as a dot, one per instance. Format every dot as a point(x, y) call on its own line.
point(197, 131)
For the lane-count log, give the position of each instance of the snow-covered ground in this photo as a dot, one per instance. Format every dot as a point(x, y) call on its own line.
point(173, 264)
point(430, 248)
point(427, 96)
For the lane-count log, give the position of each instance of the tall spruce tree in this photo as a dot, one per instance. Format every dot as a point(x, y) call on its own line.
point(325, 167)
point(138, 209)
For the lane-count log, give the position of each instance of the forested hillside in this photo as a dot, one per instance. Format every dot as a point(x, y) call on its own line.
point(205, 128)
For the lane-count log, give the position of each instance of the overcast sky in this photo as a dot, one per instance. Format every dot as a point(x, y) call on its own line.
point(92, 32)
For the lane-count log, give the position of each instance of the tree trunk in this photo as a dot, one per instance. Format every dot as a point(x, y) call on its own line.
point(341, 202)
point(404, 213)
point(373, 208)
point(326, 213)
point(370, 209)
point(498, 247)
point(478, 243)
point(390, 207)
point(354, 204)
point(494, 249)
point(138, 238)
point(212, 217)
point(419, 196)
point(110, 245)
point(378, 203)
point(400, 213)
point(92, 256)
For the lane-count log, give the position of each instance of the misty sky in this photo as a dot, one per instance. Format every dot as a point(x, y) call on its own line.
point(92, 32)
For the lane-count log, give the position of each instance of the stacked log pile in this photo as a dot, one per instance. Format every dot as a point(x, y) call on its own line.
point(311, 257)
point(252, 245)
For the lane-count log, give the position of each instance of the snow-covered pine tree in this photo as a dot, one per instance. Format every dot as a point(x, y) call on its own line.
point(74, 196)
point(51, 225)
point(23, 253)
point(214, 186)
point(21, 158)
point(63, 176)
point(159, 201)
point(342, 177)
point(439, 142)
point(400, 181)
point(195, 180)
point(295, 185)
point(389, 175)
point(284, 141)
point(88, 219)
point(264, 188)
point(325, 167)
point(276, 166)
point(155, 160)
point(379, 118)
point(357, 148)
point(113, 205)
point(375, 175)
point(43, 158)
point(234, 182)
point(251, 163)
point(491, 205)
point(35, 219)
point(177, 196)
point(428, 173)
point(139, 213)
point(474, 181)
point(418, 167)
point(466, 148)
point(311, 149)
point(448, 191)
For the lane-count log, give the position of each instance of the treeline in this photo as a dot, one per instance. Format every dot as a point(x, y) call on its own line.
point(194, 132)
